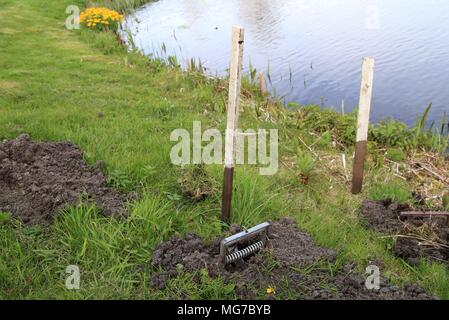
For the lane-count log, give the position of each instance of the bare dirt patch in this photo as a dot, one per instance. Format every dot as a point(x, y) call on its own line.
point(414, 237)
point(292, 264)
point(38, 179)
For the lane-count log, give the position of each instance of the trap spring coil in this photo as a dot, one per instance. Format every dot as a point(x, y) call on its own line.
point(233, 257)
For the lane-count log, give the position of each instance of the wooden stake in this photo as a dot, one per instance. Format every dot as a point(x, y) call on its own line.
point(261, 83)
point(235, 80)
point(366, 90)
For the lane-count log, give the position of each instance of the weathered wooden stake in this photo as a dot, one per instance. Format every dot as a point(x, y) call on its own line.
point(261, 83)
point(366, 90)
point(235, 80)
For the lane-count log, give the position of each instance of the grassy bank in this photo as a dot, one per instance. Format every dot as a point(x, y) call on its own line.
point(56, 83)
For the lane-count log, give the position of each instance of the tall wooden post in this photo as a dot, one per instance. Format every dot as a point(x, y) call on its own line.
point(366, 90)
point(235, 80)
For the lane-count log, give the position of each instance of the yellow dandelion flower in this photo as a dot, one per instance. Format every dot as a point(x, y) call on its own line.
point(271, 290)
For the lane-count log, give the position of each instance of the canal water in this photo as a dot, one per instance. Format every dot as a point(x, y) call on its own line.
point(312, 50)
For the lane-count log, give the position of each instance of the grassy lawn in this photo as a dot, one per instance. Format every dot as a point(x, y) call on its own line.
point(55, 84)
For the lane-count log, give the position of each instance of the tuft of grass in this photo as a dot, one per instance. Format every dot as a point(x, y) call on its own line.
point(395, 191)
point(305, 164)
point(185, 286)
point(255, 199)
point(396, 154)
point(120, 180)
point(433, 275)
point(196, 184)
point(4, 217)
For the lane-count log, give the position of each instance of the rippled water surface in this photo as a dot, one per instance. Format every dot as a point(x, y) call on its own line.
point(313, 49)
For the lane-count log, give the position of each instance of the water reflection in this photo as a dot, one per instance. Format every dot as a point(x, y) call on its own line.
point(314, 48)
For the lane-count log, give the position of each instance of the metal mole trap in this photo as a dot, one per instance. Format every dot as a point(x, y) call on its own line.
point(244, 244)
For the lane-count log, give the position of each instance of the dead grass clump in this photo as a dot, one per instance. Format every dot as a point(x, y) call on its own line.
point(196, 184)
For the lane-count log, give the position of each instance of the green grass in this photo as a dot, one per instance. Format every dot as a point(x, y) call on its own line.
point(397, 191)
point(53, 85)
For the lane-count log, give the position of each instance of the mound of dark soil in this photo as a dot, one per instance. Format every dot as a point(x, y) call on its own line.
point(292, 263)
point(319, 283)
point(293, 247)
point(37, 179)
point(415, 237)
point(289, 246)
point(383, 216)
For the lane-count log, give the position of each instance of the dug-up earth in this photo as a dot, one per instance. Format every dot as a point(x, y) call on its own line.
point(38, 179)
point(292, 264)
point(414, 238)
